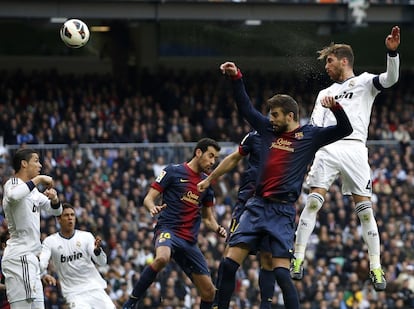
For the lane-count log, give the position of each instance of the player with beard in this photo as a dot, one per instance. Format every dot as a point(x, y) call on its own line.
point(287, 148)
point(349, 156)
point(248, 147)
point(180, 213)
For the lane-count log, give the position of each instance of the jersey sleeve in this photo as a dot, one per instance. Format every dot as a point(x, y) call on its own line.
point(208, 200)
point(45, 255)
point(15, 190)
point(318, 113)
point(327, 135)
point(245, 145)
point(163, 179)
point(45, 203)
point(255, 118)
point(100, 259)
point(391, 75)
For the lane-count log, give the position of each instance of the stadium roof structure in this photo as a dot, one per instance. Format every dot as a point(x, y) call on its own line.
point(281, 10)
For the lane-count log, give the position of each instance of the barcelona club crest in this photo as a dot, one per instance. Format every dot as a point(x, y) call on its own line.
point(299, 135)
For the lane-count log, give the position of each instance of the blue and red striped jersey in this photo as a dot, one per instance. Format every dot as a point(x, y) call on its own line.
point(285, 156)
point(178, 185)
point(249, 146)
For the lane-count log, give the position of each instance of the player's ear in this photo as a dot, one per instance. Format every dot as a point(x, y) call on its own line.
point(198, 153)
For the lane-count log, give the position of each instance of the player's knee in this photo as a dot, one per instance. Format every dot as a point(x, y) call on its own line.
point(314, 202)
point(266, 261)
point(160, 262)
point(207, 292)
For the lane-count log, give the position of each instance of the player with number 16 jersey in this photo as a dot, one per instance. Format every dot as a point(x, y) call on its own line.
point(180, 214)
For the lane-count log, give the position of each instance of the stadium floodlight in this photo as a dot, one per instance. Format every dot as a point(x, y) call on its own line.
point(359, 13)
point(253, 22)
point(58, 20)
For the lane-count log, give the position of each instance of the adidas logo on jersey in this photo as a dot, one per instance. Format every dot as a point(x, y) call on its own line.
point(70, 258)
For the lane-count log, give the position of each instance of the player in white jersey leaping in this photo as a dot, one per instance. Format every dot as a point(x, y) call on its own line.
point(73, 253)
point(22, 202)
point(349, 156)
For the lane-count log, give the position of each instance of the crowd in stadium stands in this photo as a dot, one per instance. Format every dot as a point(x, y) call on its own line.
point(178, 106)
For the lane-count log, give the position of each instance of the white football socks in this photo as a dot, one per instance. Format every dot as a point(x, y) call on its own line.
point(307, 222)
point(370, 232)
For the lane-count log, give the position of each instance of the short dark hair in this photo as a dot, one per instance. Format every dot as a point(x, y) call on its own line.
point(66, 206)
point(204, 143)
point(23, 154)
point(286, 103)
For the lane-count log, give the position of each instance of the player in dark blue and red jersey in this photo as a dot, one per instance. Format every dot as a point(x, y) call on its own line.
point(181, 211)
point(286, 151)
point(249, 146)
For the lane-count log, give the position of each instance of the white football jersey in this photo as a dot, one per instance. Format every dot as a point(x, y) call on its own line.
point(22, 210)
point(356, 95)
point(72, 258)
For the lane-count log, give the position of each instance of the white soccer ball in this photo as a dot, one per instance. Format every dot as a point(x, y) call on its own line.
point(74, 33)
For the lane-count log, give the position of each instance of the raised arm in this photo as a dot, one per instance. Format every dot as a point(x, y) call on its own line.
point(390, 77)
point(21, 190)
point(226, 165)
point(258, 121)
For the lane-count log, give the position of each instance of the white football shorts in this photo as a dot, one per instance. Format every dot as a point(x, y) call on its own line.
point(22, 279)
point(347, 159)
point(90, 299)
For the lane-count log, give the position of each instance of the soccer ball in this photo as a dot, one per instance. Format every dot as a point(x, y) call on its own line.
point(74, 33)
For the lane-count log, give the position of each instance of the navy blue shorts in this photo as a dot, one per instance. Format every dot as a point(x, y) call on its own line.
point(262, 219)
point(187, 255)
point(238, 210)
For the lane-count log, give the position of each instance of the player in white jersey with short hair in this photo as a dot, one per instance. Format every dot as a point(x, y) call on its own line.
point(349, 156)
point(74, 254)
point(22, 202)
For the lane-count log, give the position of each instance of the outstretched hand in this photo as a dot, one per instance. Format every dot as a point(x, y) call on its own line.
point(392, 41)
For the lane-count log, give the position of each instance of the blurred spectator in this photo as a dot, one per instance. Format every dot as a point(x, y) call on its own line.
point(403, 137)
point(93, 177)
point(25, 137)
